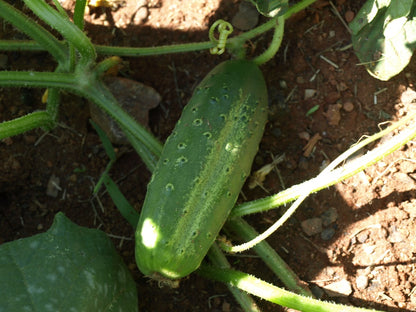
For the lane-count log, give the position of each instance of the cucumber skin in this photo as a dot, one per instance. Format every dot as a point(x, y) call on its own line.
point(202, 168)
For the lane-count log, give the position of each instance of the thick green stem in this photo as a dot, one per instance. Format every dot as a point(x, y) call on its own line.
point(101, 96)
point(38, 79)
point(45, 39)
point(327, 179)
point(26, 123)
point(218, 259)
point(272, 293)
point(79, 12)
point(270, 257)
point(274, 45)
point(65, 27)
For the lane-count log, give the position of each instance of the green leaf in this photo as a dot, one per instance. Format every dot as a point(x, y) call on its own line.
point(384, 36)
point(271, 7)
point(67, 268)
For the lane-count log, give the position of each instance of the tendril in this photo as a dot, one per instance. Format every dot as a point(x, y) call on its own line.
point(224, 29)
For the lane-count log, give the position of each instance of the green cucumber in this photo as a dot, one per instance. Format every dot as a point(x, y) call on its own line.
point(203, 166)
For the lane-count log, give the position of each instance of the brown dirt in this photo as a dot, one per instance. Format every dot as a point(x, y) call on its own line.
point(376, 209)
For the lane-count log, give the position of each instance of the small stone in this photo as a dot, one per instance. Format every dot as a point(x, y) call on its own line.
point(304, 135)
point(327, 234)
point(309, 93)
point(341, 288)
point(333, 114)
point(247, 16)
point(39, 227)
point(300, 80)
point(312, 226)
point(361, 282)
point(362, 237)
point(53, 187)
point(348, 106)
point(349, 16)
point(395, 235)
point(329, 216)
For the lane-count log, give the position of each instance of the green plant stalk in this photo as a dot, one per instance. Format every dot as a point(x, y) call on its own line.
point(331, 177)
point(261, 237)
point(24, 45)
point(66, 28)
point(269, 256)
point(52, 104)
point(149, 159)
point(272, 293)
point(167, 49)
point(102, 97)
point(26, 123)
point(45, 39)
point(38, 79)
point(126, 210)
point(274, 44)
point(218, 259)
point(88, 86)
point(79, 12)
point(153, 51)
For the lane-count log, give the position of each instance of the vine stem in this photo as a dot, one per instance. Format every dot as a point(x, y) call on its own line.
point(269, 292)
point(44, 39)
point(25, 123)
point(328, 178)
point(166, 49)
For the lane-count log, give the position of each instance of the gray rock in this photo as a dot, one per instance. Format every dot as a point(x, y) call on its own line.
point(329, 216)
point(247, 16)
point(312, 226)
point(327, 234)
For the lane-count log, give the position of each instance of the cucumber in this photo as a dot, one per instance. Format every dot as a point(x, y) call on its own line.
point(203, 166)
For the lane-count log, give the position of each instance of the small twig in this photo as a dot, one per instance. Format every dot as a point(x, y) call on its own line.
point(329, 61)
point(289, 96)
point(335, 11)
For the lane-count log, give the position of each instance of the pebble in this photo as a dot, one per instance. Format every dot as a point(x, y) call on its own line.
point(247, 16)
point(348, 106)
point(361, 282)
point(312, 226)
point(341, 288)
point(52, 189)
point(362, 237)
point(349, 16)
point(329, 216)
point(309, 93)
point(300, 80)
point(327, 234)
point(304, 135)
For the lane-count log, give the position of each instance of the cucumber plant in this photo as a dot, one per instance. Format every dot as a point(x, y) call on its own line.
point(202, 168)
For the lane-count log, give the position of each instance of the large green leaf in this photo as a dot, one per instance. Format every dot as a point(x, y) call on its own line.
point(384, 36)
point(68, 269)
